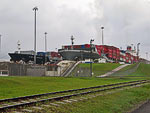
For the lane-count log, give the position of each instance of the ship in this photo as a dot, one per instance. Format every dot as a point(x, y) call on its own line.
point(28, 57)
point(78, 52)
point(97, 52)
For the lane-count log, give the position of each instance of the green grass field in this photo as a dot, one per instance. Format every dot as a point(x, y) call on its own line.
point(127, 68)
point(115, 103)
point(21, 86)
point(98, 69)
point(118, 102)
point(143, 70)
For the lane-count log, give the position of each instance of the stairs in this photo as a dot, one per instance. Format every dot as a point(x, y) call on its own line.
point(70, 69)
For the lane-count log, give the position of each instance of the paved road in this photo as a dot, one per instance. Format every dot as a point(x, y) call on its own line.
point(143, 109)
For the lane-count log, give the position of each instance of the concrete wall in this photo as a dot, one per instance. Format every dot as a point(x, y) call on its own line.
point(17, 69)
point(52, 73)
point(14, 69)
point(4, 69)
point(36, 70)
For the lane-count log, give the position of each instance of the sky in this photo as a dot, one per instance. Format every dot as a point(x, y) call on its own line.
point(125, 22)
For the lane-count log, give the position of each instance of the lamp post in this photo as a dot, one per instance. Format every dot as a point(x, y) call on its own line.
point(92, 40)
point(102, 28)
point(35, 9)
point(138, 49)
point(45, 47)
point(0, 42)
point(146, 55)
point(72, 40)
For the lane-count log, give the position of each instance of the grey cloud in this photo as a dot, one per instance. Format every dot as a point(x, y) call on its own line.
point(125, 22)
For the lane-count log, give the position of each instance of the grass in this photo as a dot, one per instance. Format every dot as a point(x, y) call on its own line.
point(127, 67)
point(118, 102)
point(97, 68)
point(126, 70)
point(142, 70)
point(22, 86)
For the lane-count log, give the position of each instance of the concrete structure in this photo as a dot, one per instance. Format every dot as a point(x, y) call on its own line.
point(20, 69)
point(35, 70)
point(14, 69)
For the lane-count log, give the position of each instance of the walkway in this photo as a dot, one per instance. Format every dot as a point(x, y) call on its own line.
point(113, 71)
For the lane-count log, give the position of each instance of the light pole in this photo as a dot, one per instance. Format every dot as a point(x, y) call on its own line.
point(132, 45)
point(138, 49)
point(35, 9)
point(0, 42)
point(92, 40)
point(45, 47)
point(72, 40)
point(146, 55)
point(102, 28)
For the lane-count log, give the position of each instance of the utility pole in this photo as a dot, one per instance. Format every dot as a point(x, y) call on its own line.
point(45, 47)
point(92, 40)
point(102, 28)
point(0, 42)
point(146, 55)
point(72, 40)
point(138, 49)
point(35, 9)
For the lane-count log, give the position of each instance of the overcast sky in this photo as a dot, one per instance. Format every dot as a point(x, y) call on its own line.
point(126, 22)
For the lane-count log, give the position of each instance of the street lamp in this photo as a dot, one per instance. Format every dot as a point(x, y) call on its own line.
point(92, 40)
point(72, 40)
point(45, 47)
point(132, 45)
point(146, 55)
point(102, 28)
point(138, 49)
point(0, 42)
point(35, 9)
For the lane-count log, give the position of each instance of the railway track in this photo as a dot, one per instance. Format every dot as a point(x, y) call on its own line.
point(6, 105)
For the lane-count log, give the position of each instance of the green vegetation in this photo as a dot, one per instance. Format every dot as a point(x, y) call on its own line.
point(21, 86)
point(142, 70)
point(98, 69)
point(134, 70)
point(127, 67)
point(126, 70)
point(118, 102)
